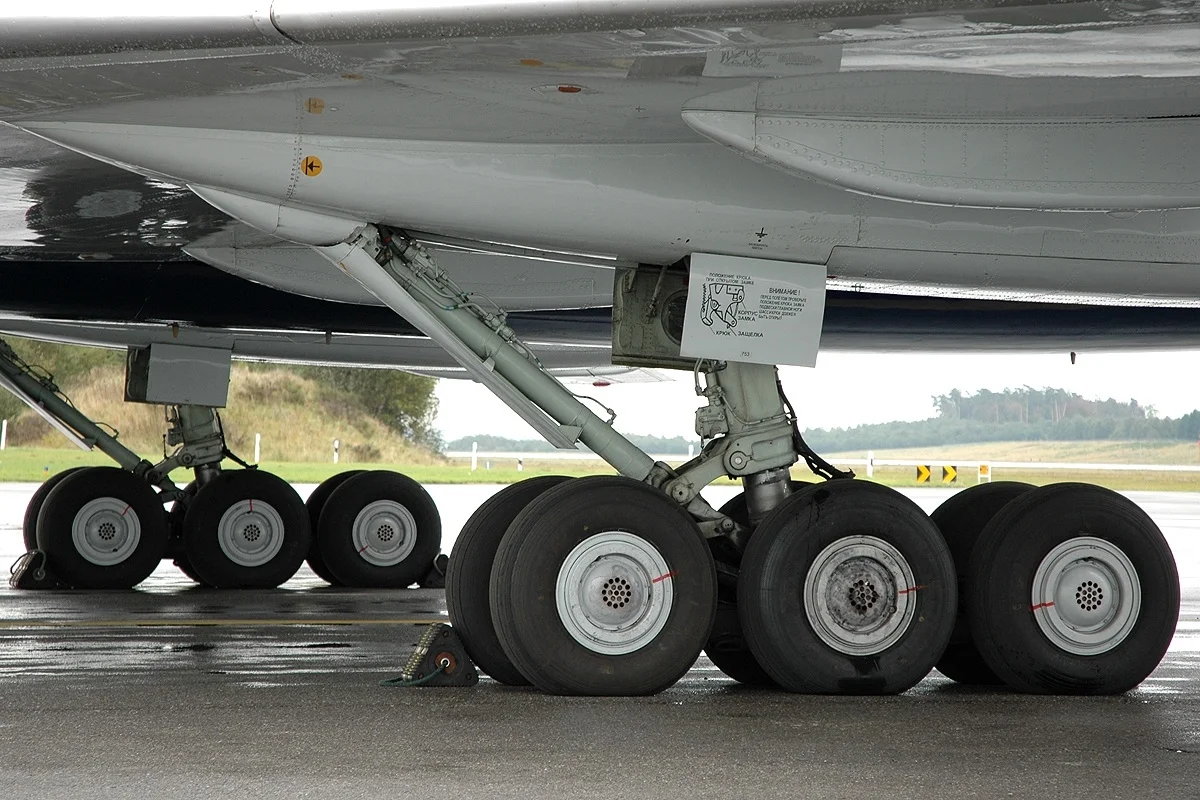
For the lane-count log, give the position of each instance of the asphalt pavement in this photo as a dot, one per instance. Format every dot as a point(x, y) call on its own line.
point(176, 691)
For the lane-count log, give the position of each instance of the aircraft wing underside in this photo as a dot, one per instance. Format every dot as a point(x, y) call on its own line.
point(1029, 165)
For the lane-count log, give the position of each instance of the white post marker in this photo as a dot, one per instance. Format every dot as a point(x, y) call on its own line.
point(751, 310)
point(474, 456)
point(870, 463)
point(257, 447)
point(3, 434)
point(520, 465)
point(691, 451)
point(336, 446)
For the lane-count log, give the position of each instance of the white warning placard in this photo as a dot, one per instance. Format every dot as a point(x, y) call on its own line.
point(753, 310)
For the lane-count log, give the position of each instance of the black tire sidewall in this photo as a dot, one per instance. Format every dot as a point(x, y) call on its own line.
point(469, 574)
point(524, 577)
point(1002, 570)
point(336, 543)
point(777, 561)
point(29, 523)
point(63, 503)
point(202, 519)
point(314, 505)
point(961, 519)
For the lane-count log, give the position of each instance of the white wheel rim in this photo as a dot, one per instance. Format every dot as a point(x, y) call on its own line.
point(614, 593)
point(1086, 596)
point(384, 533)
point(106, 531)
point(250, 533)
point(858, 595)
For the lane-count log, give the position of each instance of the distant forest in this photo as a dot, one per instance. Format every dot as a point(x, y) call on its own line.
point(1024, 414)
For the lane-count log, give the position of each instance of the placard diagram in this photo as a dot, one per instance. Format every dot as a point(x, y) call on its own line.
point(753, 310)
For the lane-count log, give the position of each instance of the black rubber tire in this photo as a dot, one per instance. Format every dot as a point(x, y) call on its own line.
point(201, 522)
point(726, 646)
point(70, 496)
point(961, 519)
point(469, 574)
point(335, 531)
point(1002, 569)
point(778, 560)
point(315, 503)
point(29, 524)
point(525, 573)
point(175, 519)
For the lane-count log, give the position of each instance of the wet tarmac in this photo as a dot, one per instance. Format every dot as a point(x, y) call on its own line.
point(175, 691)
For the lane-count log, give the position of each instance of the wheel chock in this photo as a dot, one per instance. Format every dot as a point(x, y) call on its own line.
point(31, 572)
point(436, 577)
point(439, 659)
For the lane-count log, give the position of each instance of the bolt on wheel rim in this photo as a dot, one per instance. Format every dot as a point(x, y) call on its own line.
point(858, 595)
point(614, 593)
point(384, 533)
point(250, 533)
point(106, 531)
point(1086, 596)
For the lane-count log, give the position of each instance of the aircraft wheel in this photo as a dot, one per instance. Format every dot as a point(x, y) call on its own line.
point(961, 519)
point(29, 524)
point(1073, 591)
point(379, 529)
point(847, 588)
point(603, 586)
point(245, 529)
point(315, 504)
point(470, 571)
point(102, 528)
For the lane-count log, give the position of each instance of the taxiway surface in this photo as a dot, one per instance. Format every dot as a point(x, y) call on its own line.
point(175, 691)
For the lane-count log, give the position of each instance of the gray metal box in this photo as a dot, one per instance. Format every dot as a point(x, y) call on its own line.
point(647, 316)
point(172, 374)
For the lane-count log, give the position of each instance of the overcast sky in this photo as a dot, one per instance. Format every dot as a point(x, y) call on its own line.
point(848, 389)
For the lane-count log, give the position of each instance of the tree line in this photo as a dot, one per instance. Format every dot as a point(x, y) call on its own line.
point(1024, 414)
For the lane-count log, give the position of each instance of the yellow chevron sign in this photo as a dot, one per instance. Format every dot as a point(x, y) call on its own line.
point(925, 472)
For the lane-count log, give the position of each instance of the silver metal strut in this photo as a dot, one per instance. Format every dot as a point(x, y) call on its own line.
point(745, 418)
point(401, 273)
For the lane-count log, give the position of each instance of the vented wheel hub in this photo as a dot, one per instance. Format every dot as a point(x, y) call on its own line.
point(614, 593)
point(384, 533)
point(1086, 596)
point(858, 595)
point(250, 533)
point(106, 531)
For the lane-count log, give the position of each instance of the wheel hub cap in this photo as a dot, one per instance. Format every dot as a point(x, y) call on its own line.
point(858, 595)
point(385, 533)
point(614, 593)
point(106, 531)
point(250, 533)
point(1086, 596)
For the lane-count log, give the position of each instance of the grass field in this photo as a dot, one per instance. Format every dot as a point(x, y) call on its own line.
point(36, 464)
